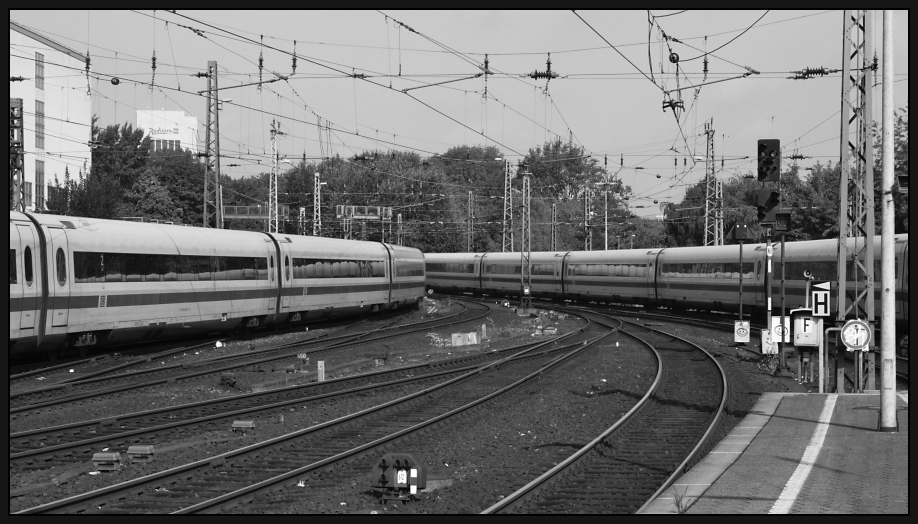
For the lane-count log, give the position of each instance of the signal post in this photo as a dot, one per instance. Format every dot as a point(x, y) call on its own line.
point(768, 199)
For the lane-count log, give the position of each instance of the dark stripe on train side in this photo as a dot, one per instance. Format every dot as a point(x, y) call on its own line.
point(150, 299)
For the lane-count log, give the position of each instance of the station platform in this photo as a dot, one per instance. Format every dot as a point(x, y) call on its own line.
point(801, 453)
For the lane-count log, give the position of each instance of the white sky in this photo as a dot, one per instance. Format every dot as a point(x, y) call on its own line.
point(603, 100)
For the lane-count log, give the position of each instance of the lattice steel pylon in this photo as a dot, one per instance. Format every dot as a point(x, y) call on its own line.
point(587, 211)
point(525, 244)
point(213, 196)
point(17, 173)
point(317, 207)
point(713, 215)
point(399, 235)
point(554, 227)
point(719, 213)
point(470, 227)
point(273, 211)
point(855, 218)
point(507, 236)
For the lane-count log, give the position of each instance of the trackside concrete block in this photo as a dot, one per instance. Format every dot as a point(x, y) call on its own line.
point(243, 426)
point(105, 461)
point(140, 453)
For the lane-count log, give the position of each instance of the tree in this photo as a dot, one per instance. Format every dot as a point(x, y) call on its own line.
point(120, 153)
point(182, 176)
point(900, 153)
point(150, 200)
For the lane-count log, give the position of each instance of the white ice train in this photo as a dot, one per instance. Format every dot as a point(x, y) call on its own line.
point(704, 278)
point(81, 282)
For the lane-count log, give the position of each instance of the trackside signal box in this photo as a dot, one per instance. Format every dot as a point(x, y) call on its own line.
point(807, 328)
point(400, 475)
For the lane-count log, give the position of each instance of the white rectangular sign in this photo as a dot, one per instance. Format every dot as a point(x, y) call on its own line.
point(780, 333)
point(741, 331)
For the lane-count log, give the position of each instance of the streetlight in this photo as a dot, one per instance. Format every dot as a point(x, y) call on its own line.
point(632, 241)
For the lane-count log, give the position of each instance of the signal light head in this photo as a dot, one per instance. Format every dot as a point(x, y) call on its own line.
point(769, 160)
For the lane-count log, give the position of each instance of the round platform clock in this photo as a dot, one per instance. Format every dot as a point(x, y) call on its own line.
point(856, 335)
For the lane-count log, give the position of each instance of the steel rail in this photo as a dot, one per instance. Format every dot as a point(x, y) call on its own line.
point(265, 485)
point(118, 389)
point(299, 399)
point(704, 441)
point(133, 485)
point(554, 474)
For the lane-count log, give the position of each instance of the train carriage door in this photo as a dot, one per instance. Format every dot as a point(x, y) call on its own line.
point(30, 283)
point(16, 283)
point(58, 277)
point(286, 270)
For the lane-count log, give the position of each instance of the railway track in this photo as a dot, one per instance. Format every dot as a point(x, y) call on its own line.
point(74, 443)
point(224, 481)
point(47, 397)
point(642, 454)
point(60, 374)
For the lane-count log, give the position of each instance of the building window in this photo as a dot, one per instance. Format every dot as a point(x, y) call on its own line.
point(28, 194)
point(39, 124)
point(39, 71)
point(40, 184)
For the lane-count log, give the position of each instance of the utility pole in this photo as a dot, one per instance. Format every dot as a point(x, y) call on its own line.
point(302, 226)
point(605, 194)
point(888, 421)
point(273, 213)
point(856, 220)
point(212, 194)
point(525, 244)
point(587, 230)
point(719, 214)
point(17, 172)
point(317, 206)
point(554, 227)
point(507, 237)
point(399, 235)
point(470, 227)
point(710, 200)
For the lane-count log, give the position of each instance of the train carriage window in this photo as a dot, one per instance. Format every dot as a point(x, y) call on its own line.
point(87, 267)
point(152, 268)
point(113, 264)
point(203, 267)
point(232, 268)
point(13, 278)
point(133, 267)
point(272, 268)
point(219, 265)
point(27, 263)
point(171, 265)
point(287, 268)
point(61, 263)
point(261, 269)
point(299, 268)
point(186, 269)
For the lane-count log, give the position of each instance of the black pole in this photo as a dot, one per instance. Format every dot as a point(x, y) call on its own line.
point(741, 280)
point(783, 278)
